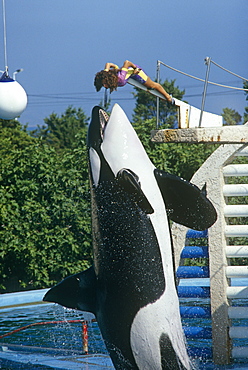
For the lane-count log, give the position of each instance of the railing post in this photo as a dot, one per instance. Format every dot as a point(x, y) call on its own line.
point(158, 78)
point(208, 63)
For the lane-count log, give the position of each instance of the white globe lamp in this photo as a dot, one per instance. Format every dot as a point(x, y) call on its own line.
point(13, 98)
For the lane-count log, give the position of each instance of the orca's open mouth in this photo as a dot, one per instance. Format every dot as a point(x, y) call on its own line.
point(103, 118)
point(99, 120)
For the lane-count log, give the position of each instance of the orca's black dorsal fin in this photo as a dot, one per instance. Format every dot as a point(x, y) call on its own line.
point(186, 204)
point(130, 183)
point(77, 291)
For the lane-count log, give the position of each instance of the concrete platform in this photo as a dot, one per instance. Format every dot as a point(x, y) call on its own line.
point(212, 135)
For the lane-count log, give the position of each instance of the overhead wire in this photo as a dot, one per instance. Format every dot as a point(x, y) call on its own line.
point(68, 98)
point(217, 93)
point(56, 99)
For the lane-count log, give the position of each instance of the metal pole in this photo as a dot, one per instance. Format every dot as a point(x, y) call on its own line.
point(105, 99)
point(208, 63)
point(5, 38)
point(158, 78)
point(85, 337)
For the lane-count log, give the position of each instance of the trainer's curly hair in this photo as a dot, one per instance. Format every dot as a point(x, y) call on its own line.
point(106, 77)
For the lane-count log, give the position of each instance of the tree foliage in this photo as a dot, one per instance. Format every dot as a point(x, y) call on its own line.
point(13, 136)
point(61, 132)
point(231, 117)
point(45, 231)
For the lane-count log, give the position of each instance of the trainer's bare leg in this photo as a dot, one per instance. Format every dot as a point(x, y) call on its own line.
point(156, 86)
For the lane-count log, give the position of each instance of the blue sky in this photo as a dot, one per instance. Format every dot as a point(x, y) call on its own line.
point(61, 44)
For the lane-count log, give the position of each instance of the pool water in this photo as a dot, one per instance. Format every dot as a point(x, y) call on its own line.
point(66, 338)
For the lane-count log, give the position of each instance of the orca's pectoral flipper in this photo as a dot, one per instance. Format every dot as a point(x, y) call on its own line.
point(185, 202)
point(77, 291)
point(130, 182)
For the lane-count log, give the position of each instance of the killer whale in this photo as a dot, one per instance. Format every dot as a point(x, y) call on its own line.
point(131, 286)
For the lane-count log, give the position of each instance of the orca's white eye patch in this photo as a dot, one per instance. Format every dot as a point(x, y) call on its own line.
point(95, 164)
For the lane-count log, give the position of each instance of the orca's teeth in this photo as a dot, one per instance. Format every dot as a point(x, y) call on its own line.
point(104, 117)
